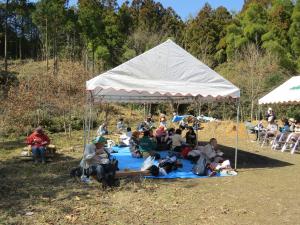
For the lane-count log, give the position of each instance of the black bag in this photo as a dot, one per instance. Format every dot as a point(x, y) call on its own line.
point(109, 174)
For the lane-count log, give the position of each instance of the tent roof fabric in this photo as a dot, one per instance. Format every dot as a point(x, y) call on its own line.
point(164, 73)
point(287, 93)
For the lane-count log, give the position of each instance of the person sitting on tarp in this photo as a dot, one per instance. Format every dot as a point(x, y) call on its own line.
point(143, 127)
point(170, 133)
point(38, 141)
point(147, 144)
point(102, 129)
point(125, 137)
point(160, 134)
point(134, 145)
point(177, 141)
point(191, 137)
point(163, 119)
point(149, 122)
point(120, 125)
point(212, 152)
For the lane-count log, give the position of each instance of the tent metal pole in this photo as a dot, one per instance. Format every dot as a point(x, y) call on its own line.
point(89, 118)
point(85, 124)
point(197, 127)
point(237, 132)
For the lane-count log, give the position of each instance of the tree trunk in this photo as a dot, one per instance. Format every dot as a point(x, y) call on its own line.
point(5, 36)
point(252, 108)
point(47, 63)
point(20, 48)
point(93, 59)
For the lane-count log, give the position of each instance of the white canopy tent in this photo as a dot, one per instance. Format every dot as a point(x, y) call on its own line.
point(287, 93)
point(165, 73)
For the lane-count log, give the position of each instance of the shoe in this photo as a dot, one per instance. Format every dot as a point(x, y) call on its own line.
point(85, 180)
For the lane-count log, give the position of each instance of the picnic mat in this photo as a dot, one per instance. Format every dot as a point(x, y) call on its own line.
point(126, 161)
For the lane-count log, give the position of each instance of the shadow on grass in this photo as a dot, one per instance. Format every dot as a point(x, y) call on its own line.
point(247, 160)
point(24, 184)
point(12, 145)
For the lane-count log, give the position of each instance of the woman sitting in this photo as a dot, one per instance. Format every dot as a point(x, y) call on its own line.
point(160, 134)
point(146, 143)
point(177, 141)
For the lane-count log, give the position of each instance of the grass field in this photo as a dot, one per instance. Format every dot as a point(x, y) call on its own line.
point(266, 190)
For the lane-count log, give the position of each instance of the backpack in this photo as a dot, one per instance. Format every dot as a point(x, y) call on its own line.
point(200, 167)
point(109, 173)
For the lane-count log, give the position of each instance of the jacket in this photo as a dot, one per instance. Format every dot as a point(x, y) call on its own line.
point(38, 140)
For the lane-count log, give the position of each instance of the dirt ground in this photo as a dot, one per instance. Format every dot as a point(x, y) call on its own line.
point(265, 191)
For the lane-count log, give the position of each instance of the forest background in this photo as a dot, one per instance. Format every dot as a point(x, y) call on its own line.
point(48, 49)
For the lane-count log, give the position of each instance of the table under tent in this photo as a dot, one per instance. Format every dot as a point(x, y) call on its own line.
point(287, 93)
point(165, 73)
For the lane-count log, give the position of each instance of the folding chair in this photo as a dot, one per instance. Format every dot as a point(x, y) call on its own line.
point(249, 129)
point(278, 142)
point(296, 145)
point(287, 142)
point(267, 139)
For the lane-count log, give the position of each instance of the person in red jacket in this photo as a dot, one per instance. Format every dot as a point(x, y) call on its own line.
point(38, 140)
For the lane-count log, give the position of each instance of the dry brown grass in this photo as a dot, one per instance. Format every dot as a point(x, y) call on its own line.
point(266, 190)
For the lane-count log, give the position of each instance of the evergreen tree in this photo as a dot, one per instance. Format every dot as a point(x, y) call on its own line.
point(276, 39)
point(294, 33)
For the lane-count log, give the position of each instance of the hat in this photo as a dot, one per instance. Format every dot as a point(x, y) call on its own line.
point(292, 120)
point(270, 109)
point(99, 139)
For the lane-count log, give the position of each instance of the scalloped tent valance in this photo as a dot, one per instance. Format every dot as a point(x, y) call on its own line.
point(287, 93)
point(164, 73)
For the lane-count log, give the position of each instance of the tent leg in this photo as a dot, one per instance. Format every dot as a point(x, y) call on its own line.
point(85, 124)
point(237, 133)
point(89, 122)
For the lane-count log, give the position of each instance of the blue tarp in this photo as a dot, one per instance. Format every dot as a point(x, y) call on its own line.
point(126, 161)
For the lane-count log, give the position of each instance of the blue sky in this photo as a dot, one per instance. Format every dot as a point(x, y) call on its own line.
point(184, 8)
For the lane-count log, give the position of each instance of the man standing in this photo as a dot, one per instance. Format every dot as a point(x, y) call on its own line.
point(38, 141)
